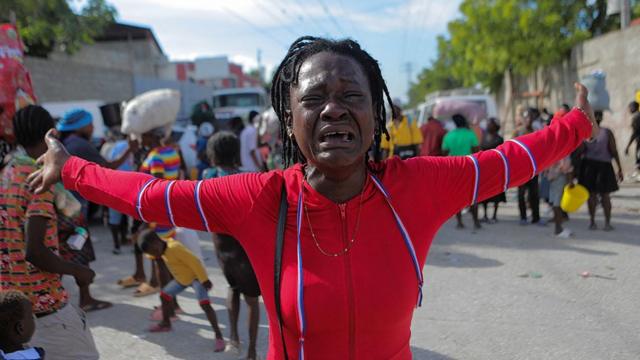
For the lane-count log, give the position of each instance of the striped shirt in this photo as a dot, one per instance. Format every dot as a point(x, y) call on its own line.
point(163, 162)
point(17, 204)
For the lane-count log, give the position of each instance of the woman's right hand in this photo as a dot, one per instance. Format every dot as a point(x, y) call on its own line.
point(582, 103)
point(51, 163)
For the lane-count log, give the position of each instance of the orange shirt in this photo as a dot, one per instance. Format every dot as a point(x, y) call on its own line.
point(17, 204)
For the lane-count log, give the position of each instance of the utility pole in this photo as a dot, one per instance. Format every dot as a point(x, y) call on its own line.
point(408, 68)
point(260, 70)
point(625, 14)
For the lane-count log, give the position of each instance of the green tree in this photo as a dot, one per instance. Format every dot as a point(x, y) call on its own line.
point(46, 25)
point(438, 76)
point(494, 36)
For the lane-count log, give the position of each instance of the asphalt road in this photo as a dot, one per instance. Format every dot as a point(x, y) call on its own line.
point(504, 292)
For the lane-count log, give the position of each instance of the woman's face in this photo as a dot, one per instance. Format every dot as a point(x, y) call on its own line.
point(331, 111)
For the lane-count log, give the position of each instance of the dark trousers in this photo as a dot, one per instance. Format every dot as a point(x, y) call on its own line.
point(531, 187)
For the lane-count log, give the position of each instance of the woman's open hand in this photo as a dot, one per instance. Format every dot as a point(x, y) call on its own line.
point(52, 163)
point(583, 103)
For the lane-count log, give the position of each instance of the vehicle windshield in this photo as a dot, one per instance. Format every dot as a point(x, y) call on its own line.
point(237, 100)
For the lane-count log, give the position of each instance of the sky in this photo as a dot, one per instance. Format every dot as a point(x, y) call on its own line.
point(395, 32)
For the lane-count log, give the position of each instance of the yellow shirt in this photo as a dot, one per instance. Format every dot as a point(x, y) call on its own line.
point(403, 134)
point(184, 266)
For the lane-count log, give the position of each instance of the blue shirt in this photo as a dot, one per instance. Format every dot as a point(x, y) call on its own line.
point(82, 148)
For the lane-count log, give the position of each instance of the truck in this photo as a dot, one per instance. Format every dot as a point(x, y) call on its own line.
point(476, 105)
point(238, 102)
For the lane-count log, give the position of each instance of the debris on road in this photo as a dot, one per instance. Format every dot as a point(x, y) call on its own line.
point(531, 274)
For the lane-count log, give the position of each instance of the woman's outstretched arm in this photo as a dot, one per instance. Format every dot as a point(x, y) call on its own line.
point(210, 205)
point(466, 180)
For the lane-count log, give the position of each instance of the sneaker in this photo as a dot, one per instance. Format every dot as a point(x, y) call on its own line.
point(524, 222)
point(565, 234)
point(116, 251)
point(234, 348)
point(541, 222)
point(219, 346)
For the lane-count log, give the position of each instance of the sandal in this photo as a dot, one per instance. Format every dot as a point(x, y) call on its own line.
point(129, 281)
point(96, 305)
point(157, 328)
point(156, 314)
point(145, 289)
point(178, 311)
point(220, 345)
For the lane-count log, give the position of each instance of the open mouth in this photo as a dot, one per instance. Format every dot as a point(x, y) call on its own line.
point(337, 137)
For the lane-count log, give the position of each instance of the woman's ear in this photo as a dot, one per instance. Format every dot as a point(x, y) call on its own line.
point(288, 121)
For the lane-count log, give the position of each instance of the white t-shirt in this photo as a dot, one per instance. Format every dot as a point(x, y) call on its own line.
point(248, 142)
point(191, 240)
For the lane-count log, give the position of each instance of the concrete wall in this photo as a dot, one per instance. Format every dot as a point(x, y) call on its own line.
point(616, 53)
point(140, 57)
point(100, 71)
point(56, 80)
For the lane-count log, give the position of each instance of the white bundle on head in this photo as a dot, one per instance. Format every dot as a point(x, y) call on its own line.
point(150, 110)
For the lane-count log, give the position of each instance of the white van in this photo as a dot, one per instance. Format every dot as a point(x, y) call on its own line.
point(58, 108)
point(485, 100)
point(238, 102)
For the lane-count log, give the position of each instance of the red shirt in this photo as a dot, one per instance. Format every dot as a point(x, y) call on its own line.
point(359, 305)
point(432, 134)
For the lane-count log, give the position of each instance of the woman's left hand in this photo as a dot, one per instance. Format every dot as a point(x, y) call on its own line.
point(582, 103)
point(52, 163)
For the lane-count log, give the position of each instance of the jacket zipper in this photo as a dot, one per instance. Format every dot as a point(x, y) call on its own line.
point(349, 283)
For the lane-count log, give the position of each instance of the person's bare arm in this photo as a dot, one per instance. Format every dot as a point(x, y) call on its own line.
point(614, 152)
point(40, 256)
point(634, 137)
point(255, 160)
point(133, 147)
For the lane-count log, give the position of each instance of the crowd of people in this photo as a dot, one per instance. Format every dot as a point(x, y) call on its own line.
point(590, 165)
point(48, 187)
point(38, 240)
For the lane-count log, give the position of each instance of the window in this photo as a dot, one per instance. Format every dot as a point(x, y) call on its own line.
point(238, 100)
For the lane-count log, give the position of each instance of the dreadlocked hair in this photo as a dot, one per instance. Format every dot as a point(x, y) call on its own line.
point(31, 124)
point(287, 75)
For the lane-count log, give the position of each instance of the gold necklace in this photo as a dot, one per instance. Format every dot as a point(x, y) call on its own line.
point(355, 230)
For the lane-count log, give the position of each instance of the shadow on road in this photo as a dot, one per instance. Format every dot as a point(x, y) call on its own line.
point(424, 354)
point(508, 234)
point(179, 343)
point(460, 260)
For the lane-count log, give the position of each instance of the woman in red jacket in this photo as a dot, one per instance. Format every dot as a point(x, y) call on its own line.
point(357, 231)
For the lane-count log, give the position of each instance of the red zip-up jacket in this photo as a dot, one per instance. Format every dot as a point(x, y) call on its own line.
point(360, 305)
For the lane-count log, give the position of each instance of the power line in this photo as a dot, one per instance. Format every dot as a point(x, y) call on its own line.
point(275, 16)
point(355, 31)
point(406, 30)
point(331, 17)
point(302, 14)
point(423, 34)
point(254, 27)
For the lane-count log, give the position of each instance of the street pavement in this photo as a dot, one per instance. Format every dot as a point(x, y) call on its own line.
point(504, 292)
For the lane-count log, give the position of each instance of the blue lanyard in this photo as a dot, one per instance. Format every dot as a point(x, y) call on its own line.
point(300, 280)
